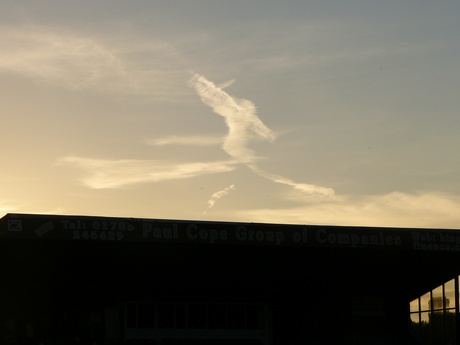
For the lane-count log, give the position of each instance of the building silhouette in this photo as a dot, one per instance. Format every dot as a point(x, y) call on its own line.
point(85, 280)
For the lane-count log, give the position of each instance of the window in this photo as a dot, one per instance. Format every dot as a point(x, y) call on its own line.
point(197, 316)
point(149, 315)
point(217, 316)
point(166, 316)
point(146, 315)
point(131, 315)
point(433, 315)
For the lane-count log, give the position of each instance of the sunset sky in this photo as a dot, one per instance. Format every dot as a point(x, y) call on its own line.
point(307, 112)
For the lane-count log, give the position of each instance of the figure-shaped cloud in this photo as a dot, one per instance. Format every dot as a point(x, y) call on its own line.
point(242, 121)
point(240, 117)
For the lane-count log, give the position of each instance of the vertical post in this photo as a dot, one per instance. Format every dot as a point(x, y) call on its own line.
point(430, 316)
point(457, 313)
point(444, 311)
point(419, 319)
point(156, 315)
point(186, 315)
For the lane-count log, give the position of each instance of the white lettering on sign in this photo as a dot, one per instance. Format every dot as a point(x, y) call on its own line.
point(242, 234)
point(99, 229)
point(111, 225)
point(300, 237)
point(210, 235)
point(73, 224)
point(98, 235)
point(355, 240)
point(201, 232)
point(438, 242)
point(168, 233)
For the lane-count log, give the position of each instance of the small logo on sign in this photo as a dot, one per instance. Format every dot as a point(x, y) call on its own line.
point(44, 229)
point(14, 225)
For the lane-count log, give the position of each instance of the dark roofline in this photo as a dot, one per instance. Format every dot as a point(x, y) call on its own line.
point(97, 228)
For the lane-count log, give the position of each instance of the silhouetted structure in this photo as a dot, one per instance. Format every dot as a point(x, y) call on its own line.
point(79, 280)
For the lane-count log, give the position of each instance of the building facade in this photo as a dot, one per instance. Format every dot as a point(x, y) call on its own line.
point(86, 280)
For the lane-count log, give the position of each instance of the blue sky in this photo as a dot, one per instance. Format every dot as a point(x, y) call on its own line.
point(329, 112)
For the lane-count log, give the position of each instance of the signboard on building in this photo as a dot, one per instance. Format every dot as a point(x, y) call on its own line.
point(87, 228)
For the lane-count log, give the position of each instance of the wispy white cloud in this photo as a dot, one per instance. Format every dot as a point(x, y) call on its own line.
point(309, 189)
point(57, 57)
point(242, 121)
point(6, 207)
point(226, 84)
point(396, 209)
point(219, 195)
point(44, 54)
point(240, 117)
point(188, 140)
point(119, 173)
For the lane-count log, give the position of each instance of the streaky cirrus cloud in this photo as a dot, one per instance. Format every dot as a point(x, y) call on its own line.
point(219, 195)
point(395, 209)
point(226, 84)
point(187, 140)
point(7, 207)
point(240, 117)
point(77, 61)
point(309, 189)
point(54, 56)
point(118, 173)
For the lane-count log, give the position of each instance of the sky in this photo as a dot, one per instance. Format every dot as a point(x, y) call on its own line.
point(302, 112)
